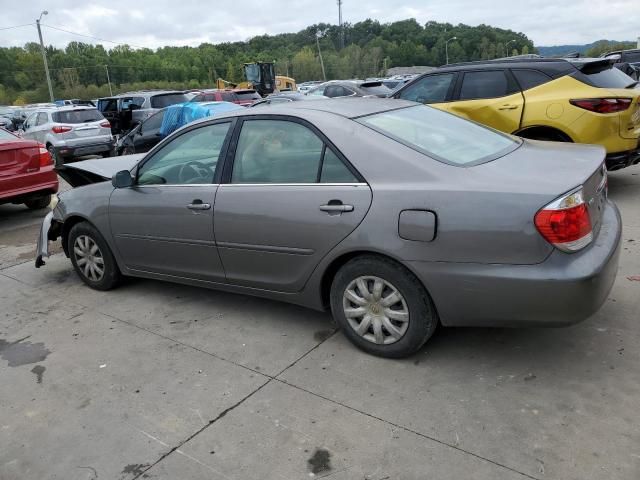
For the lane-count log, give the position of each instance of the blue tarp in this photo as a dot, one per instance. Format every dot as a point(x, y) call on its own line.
point(180, 114)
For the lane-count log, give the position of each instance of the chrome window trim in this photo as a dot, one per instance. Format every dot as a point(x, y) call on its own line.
point(156, 185)
point(314, 184)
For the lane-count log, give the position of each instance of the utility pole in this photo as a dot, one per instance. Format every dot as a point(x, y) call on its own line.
point(44, 55)
point(506, 47)
point(318, 35)
point(108, 80)
point(340, 23)
point(446, 48)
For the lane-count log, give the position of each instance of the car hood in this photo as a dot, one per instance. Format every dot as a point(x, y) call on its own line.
point(98, 170)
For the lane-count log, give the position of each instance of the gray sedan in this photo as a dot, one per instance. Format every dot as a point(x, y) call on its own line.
point(394, 215)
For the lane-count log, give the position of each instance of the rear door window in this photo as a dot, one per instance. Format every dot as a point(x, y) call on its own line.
point(77, 116)
point(488, 84)
point(228, 97)
point(431, 89)
point(248, 96)
point(41, 119)
point(128, 101)
point(161, 101)
point(530, 78)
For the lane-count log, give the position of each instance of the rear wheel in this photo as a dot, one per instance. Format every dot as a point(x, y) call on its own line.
point(57, 161)
point(381, 307)
point(38, 203)
point(92, 258)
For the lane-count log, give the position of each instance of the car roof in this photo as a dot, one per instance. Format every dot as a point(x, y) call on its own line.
point(348, 107)
point(69, 108)
point(142, 93)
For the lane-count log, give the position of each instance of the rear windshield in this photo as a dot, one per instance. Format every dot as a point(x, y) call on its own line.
point(77, 116)
point(161, 101)
point(442, 136)
point(248, 95)
point(606, 77)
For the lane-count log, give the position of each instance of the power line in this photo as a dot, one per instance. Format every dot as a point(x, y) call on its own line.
point(17, 26)
point(91, 36)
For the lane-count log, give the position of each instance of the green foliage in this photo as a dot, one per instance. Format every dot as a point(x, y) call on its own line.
point(370, 48)
point(604, 46)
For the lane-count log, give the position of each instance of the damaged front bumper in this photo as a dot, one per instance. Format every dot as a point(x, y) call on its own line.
point(49, 231)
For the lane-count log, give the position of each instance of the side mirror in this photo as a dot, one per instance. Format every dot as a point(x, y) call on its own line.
point(122, 179)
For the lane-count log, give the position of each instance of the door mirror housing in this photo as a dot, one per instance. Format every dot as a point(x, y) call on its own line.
point(122, 179)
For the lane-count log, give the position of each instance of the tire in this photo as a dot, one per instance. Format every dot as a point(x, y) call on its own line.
point(38, 203)
point(57, 161)
point(82, 238)
point(414, 304)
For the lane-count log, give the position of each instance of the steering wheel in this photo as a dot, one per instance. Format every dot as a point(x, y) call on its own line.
point(197, 170)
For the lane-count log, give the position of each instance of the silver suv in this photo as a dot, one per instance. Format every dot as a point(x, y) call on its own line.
point(126, 110)
point(70, 132)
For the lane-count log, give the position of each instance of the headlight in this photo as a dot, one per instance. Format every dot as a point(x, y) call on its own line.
point(54, 201)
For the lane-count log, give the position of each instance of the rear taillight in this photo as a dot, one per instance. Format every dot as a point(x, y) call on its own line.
point(565, 222)
point(105, 125)
point(602, 105)
point(61, 129)
point(44, 157)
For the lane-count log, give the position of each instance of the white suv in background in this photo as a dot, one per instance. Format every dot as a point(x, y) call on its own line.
point(70, 131)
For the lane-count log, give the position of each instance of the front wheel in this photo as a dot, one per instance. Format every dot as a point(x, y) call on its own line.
point(92, 258)
point(381, 307)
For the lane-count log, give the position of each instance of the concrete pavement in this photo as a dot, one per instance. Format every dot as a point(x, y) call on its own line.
point(163, 381)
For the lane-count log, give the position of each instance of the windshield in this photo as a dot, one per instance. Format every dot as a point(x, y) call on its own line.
point(248, 96)
point(252, 72)
point(161, 101)
point(379, 90)
point(440, 135)
point(77, 116)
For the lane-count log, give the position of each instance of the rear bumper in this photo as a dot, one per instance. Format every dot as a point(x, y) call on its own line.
point(562, 290)
point(44, 181)
point(616, 161)
point(79, 150)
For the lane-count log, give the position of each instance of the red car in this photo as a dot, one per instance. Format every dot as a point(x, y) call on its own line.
point(26, 172)
point(244, 97)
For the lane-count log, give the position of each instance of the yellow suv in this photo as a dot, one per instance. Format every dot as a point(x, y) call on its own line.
point(580, 100)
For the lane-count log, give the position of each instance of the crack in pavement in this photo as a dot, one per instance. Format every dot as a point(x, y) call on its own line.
point(271, 378)
point(409, 430)
point(232, 407)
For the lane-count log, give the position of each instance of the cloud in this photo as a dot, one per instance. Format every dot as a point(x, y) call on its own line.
point(155, 23)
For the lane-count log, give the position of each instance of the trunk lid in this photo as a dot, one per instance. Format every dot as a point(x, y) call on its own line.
point(629, 118)
point(538, 173)
point(18, 157)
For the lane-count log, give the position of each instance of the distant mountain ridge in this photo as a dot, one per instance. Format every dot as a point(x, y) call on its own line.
point(547, 51)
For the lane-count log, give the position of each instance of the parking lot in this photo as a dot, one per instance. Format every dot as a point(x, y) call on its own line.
point(155, 380)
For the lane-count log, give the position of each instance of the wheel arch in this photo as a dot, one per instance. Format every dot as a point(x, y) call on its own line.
point(67, 225)
point(535, 131)
point(332, 269)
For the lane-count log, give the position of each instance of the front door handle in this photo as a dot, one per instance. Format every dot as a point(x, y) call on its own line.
point(336, 208)
point(508, 107)
point(198, 205)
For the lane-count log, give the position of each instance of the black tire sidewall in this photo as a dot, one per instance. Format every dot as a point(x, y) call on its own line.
point(38, 203)
point(423, 319)
point(112, 274)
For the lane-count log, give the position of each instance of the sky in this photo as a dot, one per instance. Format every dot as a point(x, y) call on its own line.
point(155, 23)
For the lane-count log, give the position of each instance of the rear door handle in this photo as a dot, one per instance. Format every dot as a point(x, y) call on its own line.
point(198, 205)
point(508, 107)
point(336, 208)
